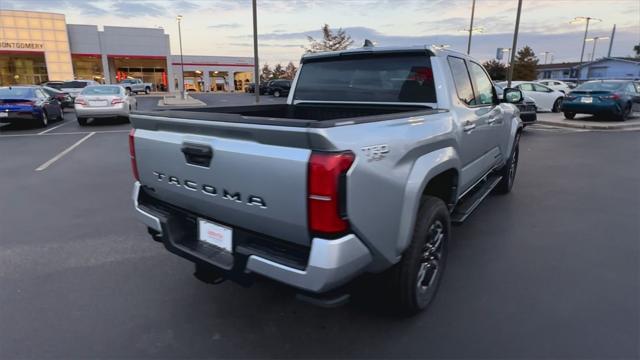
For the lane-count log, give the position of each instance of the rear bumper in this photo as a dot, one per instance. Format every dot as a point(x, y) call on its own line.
point(327, 264)
point(13, 116)
point(595, 109)
point(97, 112)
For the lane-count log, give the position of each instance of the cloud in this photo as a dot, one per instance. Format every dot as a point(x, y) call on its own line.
point(225, 26)
point(130, 9)
point(84, 7)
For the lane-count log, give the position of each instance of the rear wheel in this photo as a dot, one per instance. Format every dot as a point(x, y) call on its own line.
point(61, 116)
point(626, 112)
point(44, 120)
point(557, 105)
point(147, 90)
point(128, 90)
point(415, 279)
point(569, 115)
point(82, 121)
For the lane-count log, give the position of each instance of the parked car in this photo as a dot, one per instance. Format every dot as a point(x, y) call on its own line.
point(74, 87)
point(28, 103)
point(279, 88)
point(64, 98)
point(250, 88)
point(136, 86)
point(561, 86)
point(103, 101)
point(527, 107)
point(546, 98)
point(362, 171)
point(264, 87)
point(612, 98)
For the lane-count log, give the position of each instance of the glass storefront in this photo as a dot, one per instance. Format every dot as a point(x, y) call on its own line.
point(218, 80)
point(153, 71)
point(241, 80)
point(88, 67)
point(22, 69)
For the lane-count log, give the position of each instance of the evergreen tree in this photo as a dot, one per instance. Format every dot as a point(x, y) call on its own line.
point(525, 65)
point(266, 73)
point(278, 72)
point(331, 41)
point(496, 69)
point(290, 71)
point(637, 50)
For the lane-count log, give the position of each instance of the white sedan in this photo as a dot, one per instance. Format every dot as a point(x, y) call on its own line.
point(546, 98)
point(556, 85)
point(102, 101)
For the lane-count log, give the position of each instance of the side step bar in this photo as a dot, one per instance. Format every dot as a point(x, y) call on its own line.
point(473, 200)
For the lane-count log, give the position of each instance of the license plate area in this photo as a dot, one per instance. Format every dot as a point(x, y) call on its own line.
point(98, 103)
point(4, 114)
point(215, 234)
point(586, 99)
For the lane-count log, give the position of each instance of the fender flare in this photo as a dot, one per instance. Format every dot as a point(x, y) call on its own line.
point(424, 169)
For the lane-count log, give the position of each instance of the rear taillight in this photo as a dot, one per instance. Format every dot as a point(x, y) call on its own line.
point(80, 101)
point(327, 192)
point(132, 154)
point(117, 101)
point(611, 97)
point(569, 98)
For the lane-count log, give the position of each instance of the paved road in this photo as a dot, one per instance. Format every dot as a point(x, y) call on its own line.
point(551, 270)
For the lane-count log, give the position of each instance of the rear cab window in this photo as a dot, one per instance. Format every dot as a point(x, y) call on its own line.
point(383, 77)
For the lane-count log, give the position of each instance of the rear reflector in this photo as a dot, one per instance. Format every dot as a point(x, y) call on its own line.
point(327, 180)
point(132, 154)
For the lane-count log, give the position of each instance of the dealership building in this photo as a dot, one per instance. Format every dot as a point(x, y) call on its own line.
point(36, 47)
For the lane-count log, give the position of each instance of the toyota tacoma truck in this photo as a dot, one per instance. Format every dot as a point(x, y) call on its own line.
point(136, 86)
point(362, 171)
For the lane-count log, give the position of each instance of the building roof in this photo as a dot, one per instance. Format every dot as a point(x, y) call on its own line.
point(572, 65)
point(558, 66)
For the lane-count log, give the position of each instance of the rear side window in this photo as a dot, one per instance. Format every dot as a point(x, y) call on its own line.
point(525, 87)
point(462, 81)
point(395, 77)
point(482, 85)
point(540, 88)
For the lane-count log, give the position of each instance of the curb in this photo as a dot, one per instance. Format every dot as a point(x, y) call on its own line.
point(589, 126)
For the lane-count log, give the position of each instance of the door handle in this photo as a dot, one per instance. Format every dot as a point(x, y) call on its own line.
point(197, 154)
point(492, 120)
point(468, 126)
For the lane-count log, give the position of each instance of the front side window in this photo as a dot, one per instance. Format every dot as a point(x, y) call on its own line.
point(384, 77)
point(482, 85)
point(461, 80)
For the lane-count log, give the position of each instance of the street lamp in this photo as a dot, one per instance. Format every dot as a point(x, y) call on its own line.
point(580, 20)
point(473, 11)
point(478, 30)
point(179, 19)
point(547, 53)
point(595, 42)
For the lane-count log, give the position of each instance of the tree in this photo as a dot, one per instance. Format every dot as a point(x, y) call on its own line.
point(525, 65)
point(278, 72)
point(266, 73)
point(331, 41)
point(637, 50)
point(496, 69)
point(290, 71)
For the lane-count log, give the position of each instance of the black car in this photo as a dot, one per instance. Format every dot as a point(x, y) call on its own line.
point(264, 87)
point(250, 88)
point(28, 103)
point(279, 88)
point(64, 98)
point(609, 98)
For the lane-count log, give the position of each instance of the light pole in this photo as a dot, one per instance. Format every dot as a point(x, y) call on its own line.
point(256, 63)
point(546, 53)
point(179, 19)
point(595, 42)
point(515, 44)
point(478, 29)
point(473, 11)
point(580, 20)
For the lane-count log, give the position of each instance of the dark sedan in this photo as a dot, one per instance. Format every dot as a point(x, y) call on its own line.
point(608, 98)
point(527, 107)
point(28, 103)
point(279, 88)
point(64, 98)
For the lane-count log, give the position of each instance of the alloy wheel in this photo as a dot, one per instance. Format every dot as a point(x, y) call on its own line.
point(431, 257)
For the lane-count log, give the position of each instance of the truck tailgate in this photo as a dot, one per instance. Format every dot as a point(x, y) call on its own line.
point(252, 181)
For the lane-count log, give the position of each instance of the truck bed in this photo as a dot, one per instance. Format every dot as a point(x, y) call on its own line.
point(301, 115)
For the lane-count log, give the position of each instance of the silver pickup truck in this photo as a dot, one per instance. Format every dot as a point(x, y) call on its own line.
point(136, 86)
point(376, 152)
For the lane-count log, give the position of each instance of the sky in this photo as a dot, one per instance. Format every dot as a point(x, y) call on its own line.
point(224, 27)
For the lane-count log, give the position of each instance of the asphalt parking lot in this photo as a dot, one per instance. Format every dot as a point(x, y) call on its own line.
point(551, 270)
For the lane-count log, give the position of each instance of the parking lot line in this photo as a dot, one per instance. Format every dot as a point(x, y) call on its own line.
point(63, 153)
point(67, 133)
point(53, 128)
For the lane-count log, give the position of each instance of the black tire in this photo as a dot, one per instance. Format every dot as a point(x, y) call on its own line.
point(414, 281)
point(569, 115)
point(276, 93)
point(61, 113)
point(44, 120)
point(508, 171)
point(147, 90)
point(128, 90)
point(82, 121)
point(624, 115)
point(557, 105)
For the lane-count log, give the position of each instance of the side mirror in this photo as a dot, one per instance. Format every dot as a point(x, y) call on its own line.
point(512, 96)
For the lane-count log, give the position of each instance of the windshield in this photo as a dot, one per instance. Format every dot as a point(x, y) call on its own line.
point(101, 90)
point(17, 93)
point(369, 78)
point(73, 85)
point(600, 86)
